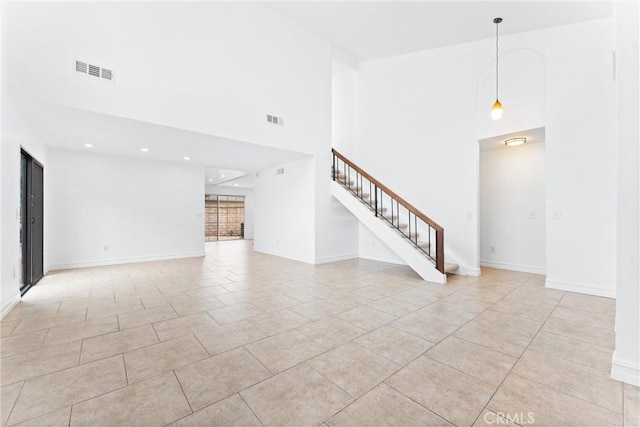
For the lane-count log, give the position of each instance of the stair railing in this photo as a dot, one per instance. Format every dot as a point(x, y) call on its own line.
point(389, 206)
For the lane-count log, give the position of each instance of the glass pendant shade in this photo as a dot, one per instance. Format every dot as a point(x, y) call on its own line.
point(496, 110)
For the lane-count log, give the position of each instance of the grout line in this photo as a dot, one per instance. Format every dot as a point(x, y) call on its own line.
point(80, 352)
point(421, 405)
point(43, 340)
point(200, 342)
point(182, 389)
point(250, 408)
point(15, 401)
point(520, 357)
point(126, 374)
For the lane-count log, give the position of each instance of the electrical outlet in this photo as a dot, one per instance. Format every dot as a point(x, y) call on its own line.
point(492, 249)
point(106, 247)
point(556, 214)
point(531, 215)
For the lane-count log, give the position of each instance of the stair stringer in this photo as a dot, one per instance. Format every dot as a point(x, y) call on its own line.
point(397, 243)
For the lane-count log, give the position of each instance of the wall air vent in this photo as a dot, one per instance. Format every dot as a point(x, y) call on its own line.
point(275, 120)
point(106, 74)
point(81, 67)
point(94, 71)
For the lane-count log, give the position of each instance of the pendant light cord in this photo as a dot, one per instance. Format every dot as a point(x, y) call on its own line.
point(497, 60)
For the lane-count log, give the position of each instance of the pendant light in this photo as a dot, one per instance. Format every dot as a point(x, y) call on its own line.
point(496, 110)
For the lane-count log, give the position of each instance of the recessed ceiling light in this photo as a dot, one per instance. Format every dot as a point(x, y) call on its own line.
point(235, 185)
point(88, 145)
point(210, 180)
point(186, 158)
point(144, 150)
point(222, 176)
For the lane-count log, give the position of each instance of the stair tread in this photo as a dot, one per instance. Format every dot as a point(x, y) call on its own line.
point(449, 267)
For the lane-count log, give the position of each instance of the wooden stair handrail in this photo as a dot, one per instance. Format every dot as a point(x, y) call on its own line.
point(437, 227)
point(393, 194)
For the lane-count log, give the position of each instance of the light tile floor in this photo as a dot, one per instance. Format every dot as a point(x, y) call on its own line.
point(242, 338)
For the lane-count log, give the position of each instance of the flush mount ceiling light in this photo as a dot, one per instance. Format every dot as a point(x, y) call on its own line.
point(496, 110)
point(513, 142)
point(88, 145)
point(144, 150)
point(186, 158)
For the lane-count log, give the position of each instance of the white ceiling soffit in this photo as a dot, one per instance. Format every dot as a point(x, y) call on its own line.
point(378, 29)
point(71, 128)
point(245, 181)
point(216, 176)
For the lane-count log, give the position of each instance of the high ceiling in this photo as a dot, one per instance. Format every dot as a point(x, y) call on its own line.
point(370, 30)
point(365, 30)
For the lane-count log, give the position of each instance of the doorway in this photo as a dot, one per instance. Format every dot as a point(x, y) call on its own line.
point(31, 221)
point(512, 220)
point(224, 217)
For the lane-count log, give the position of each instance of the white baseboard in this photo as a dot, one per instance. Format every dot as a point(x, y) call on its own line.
point(625, 371)
point(329, 259)
point(13, 300)
point(580, 288)
point(475, 272)
point(513, 267)
point(129, 260)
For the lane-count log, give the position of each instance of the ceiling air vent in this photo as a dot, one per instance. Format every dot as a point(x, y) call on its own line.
point(94, 71)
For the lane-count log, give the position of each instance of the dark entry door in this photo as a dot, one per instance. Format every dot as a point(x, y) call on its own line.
point(32, 221)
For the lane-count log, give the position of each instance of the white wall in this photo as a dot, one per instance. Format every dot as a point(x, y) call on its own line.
point(626, 359)
point(417, 131)
point(371, 247)
point(284, 217)
point(512, 187)
point(225, 190)
point(5, 296)
point(343, 100)
point(220, 70)
point(142, 209)
point(10, 143)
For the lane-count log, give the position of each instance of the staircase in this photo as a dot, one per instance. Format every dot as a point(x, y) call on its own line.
point(413, 236)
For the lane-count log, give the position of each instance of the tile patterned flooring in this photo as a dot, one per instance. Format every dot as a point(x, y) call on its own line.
point(242, 338)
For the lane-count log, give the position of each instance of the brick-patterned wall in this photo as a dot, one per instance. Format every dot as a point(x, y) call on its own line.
point(210, 220)
point(231, 217)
